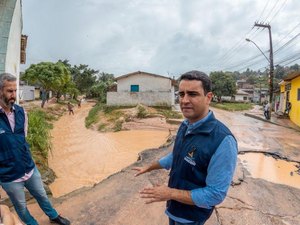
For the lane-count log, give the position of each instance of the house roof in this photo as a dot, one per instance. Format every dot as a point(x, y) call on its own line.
point(241, 92)
point(292, 75)
point(141, 72)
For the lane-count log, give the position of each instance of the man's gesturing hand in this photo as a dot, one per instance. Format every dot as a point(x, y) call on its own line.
point(156, 194)
point(140, 170)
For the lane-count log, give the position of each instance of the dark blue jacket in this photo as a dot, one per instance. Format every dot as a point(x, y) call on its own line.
point(15, 156)
point(191, 157)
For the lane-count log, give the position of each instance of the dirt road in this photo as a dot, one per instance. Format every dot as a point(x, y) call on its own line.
point(250, 201)
point(82, 157)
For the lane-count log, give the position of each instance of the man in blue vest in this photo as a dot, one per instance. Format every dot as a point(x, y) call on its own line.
point(203, 159)
point(17, 168)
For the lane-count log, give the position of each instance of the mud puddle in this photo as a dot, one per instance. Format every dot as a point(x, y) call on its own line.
point(81, 157)
point(271, 169)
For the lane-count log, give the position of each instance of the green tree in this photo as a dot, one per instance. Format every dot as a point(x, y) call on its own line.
point(90, 81)
point(84, 78)
point(251, 79)
point(279, 72)
point(223, 84)
point(50, 76)
point(295, 67)
point(104, 82)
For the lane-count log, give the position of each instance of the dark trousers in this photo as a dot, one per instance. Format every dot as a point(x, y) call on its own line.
point(172, 222)
point(266, 113)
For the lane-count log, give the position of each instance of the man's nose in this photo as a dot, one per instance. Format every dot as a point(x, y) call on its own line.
point(14, 94)
point(185, 99)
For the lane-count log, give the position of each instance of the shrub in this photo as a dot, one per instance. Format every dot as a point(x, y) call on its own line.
point(39, 137)
point(232, 106)
point(93, 115)
point(142, 112)
point(118, 125)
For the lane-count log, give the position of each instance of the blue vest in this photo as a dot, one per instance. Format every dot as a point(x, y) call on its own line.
point(15, 156)
point(191, 157)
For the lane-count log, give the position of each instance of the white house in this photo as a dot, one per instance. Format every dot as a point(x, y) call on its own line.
point(241, 96)
point(11, 37)
point(26, 93)
point(142, 88)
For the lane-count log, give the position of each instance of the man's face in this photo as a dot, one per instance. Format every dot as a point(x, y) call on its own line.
point(8, 94)
point(193, 102)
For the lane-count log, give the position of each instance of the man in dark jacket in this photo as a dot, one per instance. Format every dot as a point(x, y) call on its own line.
point(203, 159)
point(17, 168)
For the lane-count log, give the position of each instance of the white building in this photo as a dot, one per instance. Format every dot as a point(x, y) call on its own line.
point(10, 37)
point(241, 96)
point(26, 93)
point(142, 88)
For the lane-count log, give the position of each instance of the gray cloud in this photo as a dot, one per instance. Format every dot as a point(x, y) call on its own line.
point(166, 37)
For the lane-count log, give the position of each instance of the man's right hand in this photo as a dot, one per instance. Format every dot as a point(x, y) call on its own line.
point(146, 169)
point(140, 170)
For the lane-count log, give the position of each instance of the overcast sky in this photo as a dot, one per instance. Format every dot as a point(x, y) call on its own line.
point(166, 37)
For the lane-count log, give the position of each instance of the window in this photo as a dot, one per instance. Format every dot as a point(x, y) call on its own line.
point(134, 88)
point(23, 49)
point(298, 98)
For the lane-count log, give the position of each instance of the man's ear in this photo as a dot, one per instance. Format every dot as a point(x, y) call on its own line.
point(209, 96)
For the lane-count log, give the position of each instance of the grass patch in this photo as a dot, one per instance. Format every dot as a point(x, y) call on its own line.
point(39, 137)
point(232, 106)
point(142, 112)
point(114, 115)
point(93, 115)
point(102, 127)
point(118, 126)
point(111, 113)
point(170, 114)
point(109, 109)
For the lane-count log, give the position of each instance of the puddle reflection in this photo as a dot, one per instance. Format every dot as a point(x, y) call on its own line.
point(270, 169)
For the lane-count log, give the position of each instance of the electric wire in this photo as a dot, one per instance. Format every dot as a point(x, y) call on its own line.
point(283, 4)
point(270, 11)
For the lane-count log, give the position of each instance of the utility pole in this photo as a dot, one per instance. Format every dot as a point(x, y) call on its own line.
point(271, 76)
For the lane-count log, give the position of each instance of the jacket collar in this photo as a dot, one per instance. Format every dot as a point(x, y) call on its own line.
point(2, 110)
point(205, 125)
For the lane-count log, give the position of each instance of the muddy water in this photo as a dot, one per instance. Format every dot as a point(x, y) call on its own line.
point(270, 169)
point(82, 157)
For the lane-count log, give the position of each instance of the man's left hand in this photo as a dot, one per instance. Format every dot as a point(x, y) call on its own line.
point(156, 193)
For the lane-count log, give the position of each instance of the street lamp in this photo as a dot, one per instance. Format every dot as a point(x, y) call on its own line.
point(247, 39)
point(270, 60)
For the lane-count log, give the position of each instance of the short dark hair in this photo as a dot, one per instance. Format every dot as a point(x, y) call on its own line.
point(6, 77)
point(198, 75)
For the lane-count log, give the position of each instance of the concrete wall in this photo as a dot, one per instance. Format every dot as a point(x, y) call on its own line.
point(10, 37)
point(26, 93)
point(149, 98)
point(145, 82)
point(12, 64)
point(240, 98)
point(153, 91)
point(295, 110)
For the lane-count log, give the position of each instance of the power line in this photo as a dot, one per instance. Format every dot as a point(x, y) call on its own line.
point(263, 10)
point(287, 35)
point(292, 61)
point(235, 50)
point(283, 4)
point(271, 11)
point(249, 62)
point(290, 57)
point(229, 55)
point(287, 43)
